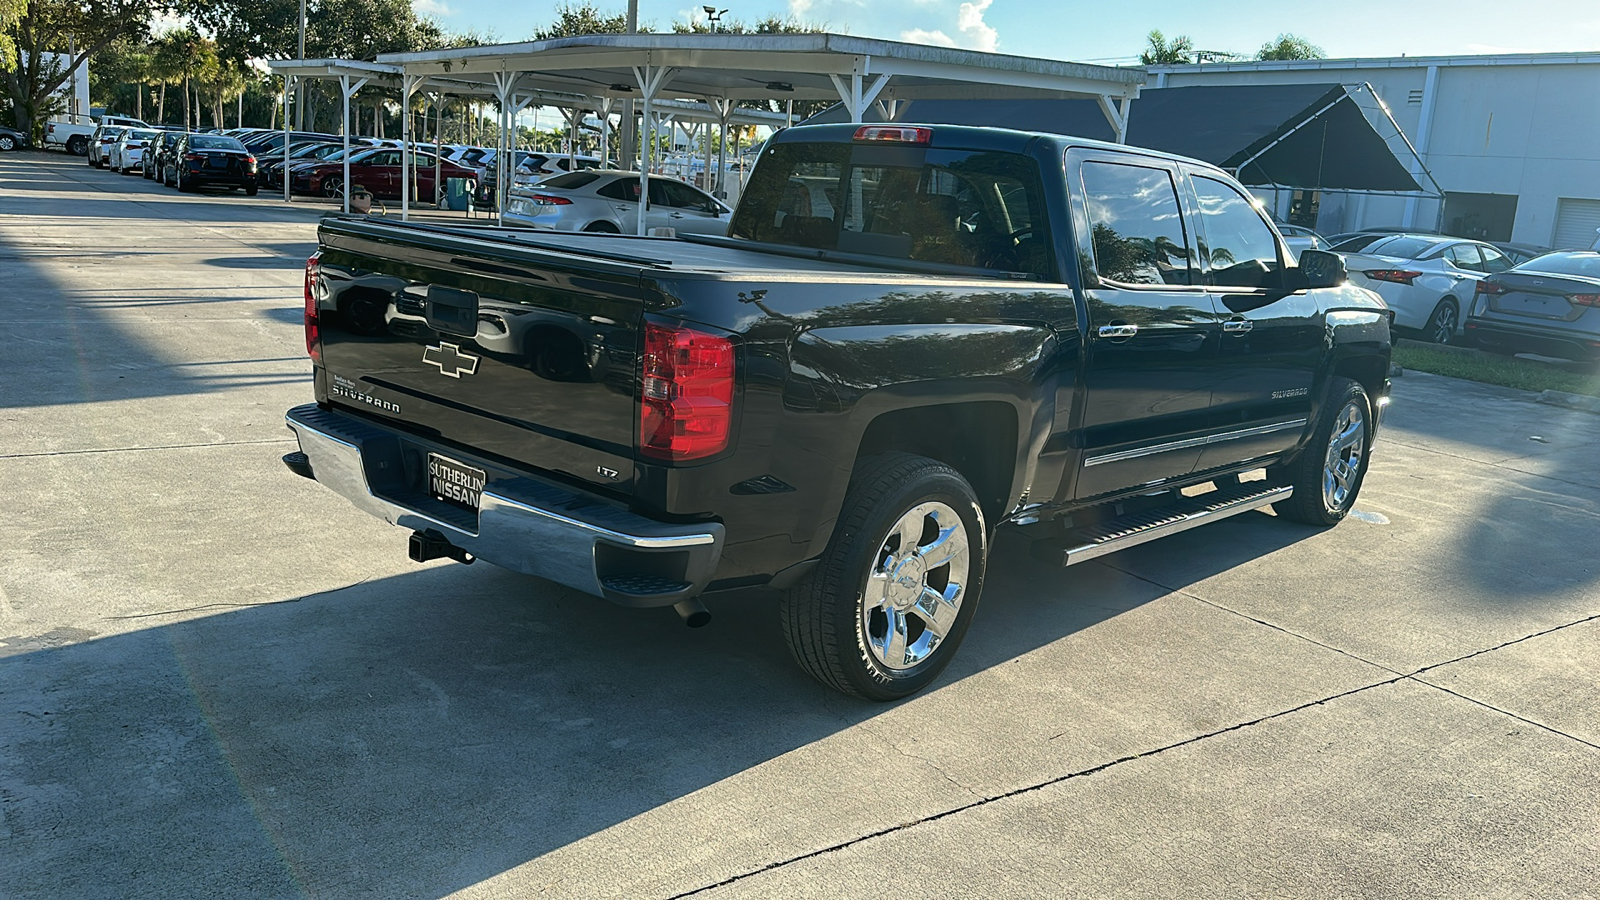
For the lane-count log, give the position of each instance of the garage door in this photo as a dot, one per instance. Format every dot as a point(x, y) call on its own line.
point(1576, 221)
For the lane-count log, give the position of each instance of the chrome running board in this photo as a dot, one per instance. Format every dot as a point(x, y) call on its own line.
point(1133, 529)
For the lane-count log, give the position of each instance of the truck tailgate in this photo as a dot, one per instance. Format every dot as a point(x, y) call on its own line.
point(511, 351)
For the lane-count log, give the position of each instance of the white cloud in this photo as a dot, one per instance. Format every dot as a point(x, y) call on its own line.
point(979, 36)
point(923, 36)
point(432, 8)
point(973, 33)
point(798, 8)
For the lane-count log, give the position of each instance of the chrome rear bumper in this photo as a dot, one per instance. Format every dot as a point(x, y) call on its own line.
point(522, 524)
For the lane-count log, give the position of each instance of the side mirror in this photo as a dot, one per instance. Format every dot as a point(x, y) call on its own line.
point(1322, 269)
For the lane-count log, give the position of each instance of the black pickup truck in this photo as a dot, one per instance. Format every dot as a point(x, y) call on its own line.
point(910, 337)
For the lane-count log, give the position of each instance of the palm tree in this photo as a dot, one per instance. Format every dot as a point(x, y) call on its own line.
point(225, 82)
point(166, 67)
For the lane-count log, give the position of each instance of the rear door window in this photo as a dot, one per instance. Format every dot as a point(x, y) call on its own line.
point(1493, 260)
point(1237, 245)
point(1135, 225)
point(1465, 256)
point(621, 189)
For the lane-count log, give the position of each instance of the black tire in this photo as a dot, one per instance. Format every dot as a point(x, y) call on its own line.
point(828, 621)
point(147, 173)
point(1316, 500)
point(78, 146)
point(7, 143)
point(331, 186)
point(1442, 325)
point(602, 228)
point(183, 186)
point(251, 191)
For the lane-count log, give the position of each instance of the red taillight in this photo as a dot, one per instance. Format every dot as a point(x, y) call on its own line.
point(898, 133)
point(1398, 276)
point(1489, 287)
point(194, 157)
point(1584, 299)
point(313, 331)
point(549, 200)
point(687, 406)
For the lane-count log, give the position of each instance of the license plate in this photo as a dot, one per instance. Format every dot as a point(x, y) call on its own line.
point(455, 483)
point(215, 163)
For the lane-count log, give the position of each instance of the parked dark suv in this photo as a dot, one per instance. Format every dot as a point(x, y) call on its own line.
point(201, 159)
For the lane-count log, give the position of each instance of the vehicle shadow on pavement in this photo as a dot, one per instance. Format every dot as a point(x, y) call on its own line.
point(413, 736)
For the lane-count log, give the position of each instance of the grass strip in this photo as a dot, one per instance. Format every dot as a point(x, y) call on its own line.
point(1523, 374)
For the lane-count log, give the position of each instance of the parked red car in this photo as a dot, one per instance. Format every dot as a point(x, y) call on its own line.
point(378, 171)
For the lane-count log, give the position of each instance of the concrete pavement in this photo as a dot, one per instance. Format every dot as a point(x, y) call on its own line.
point(219, 680)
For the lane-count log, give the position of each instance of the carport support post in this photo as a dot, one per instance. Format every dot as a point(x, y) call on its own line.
point(288, 87)
point(408, 86)
point(1116, 115)
point(856, 98)
point(503, 83)
point(605, 130)
point(348, 90)
point(650, 80)
point(724, 108)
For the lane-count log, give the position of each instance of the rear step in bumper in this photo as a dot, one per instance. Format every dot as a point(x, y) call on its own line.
point(1134, 529)
point(532, 527)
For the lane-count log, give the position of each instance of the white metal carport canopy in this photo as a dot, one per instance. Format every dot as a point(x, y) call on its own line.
point(724, 68)
point(352, 76)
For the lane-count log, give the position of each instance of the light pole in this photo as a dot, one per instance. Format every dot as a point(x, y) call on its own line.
point(714, 16)
point(625, 126)
point(300, 95)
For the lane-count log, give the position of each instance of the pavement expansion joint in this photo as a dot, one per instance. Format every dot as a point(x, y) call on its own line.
point(1413, 675)
point(1093, 770)
point(1033, 788)
point(288, 440)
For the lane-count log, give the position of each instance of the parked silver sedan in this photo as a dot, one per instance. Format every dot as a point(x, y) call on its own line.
point(1427, 279)
point(607, 201)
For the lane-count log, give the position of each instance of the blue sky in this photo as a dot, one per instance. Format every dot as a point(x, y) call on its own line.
point(1112, 33)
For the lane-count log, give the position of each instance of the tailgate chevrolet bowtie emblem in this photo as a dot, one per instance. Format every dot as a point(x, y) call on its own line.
point(450, 360)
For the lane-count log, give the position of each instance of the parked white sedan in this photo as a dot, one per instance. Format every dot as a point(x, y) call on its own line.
point(128, 152)
point(1427, 279)
point(608, 201)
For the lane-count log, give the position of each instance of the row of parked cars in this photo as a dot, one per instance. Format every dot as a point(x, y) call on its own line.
point(1504, 297)
point(185, 160)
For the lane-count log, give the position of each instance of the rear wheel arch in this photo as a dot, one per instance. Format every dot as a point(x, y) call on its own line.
point(977, 438)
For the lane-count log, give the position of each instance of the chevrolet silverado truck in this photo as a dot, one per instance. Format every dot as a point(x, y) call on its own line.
point(909, 338)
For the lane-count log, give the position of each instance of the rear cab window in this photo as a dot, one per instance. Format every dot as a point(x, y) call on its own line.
point(1135, 226)
point(972, 209)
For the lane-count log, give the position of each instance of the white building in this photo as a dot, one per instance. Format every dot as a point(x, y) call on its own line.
point(1513, 140)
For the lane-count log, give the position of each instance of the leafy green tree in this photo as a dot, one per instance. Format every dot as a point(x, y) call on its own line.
point(10, 12)
point(1159, 51)
point(584, 18)
point(44, 27)
point(1289, 46)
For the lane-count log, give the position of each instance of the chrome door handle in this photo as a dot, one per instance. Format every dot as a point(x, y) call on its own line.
point(1237, 326)
point(1118, 331)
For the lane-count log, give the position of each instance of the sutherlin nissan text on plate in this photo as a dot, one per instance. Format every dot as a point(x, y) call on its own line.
point(909, 338)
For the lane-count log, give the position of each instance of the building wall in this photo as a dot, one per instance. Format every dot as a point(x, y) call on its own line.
point(1527, 126)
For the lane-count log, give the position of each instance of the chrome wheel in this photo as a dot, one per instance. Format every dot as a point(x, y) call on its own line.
point(1346, 447)
point(915, 587)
